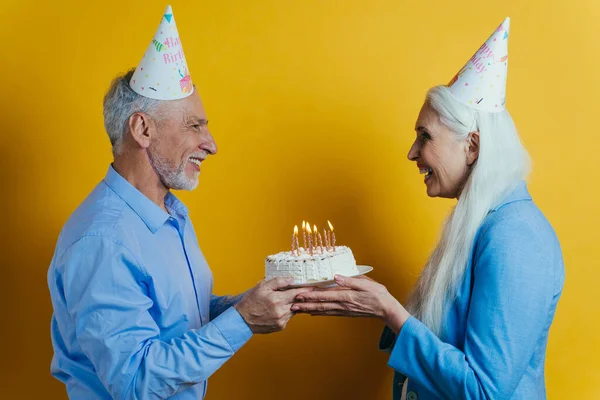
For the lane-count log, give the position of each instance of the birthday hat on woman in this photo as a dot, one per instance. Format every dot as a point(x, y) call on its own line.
point(481, 83)
point(163, 73)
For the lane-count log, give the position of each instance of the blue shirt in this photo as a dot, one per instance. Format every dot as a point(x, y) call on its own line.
point(134, 315)
point(496, 330)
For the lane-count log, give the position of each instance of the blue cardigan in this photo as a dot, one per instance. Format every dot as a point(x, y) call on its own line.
point(496, 330)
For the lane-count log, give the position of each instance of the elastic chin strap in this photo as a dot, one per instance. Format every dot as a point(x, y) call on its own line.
point(470, 132)
point(474, 120)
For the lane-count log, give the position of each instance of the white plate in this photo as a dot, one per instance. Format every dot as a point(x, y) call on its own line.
point(362, 269)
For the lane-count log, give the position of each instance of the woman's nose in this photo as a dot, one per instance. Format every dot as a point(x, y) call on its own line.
point(413, 153)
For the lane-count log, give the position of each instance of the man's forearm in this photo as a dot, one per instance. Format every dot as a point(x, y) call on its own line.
point(220, 304)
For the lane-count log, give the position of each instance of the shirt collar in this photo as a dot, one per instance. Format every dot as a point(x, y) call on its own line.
point(153, 216)
point(175, 205)
point(519, 193)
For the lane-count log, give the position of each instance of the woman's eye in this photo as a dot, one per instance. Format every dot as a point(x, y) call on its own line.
point(425, 136)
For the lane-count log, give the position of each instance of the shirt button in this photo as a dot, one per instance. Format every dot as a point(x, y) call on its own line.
point(411, 396)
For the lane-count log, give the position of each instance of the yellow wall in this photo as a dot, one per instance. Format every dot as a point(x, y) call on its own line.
point(312, 103)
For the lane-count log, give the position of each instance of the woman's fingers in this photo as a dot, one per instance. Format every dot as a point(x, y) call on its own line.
point(358, 283)
point(337, 314)
point(318, 307)
point(324, 296)
point(332, 289)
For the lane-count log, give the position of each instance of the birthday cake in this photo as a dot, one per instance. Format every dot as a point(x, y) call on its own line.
point(316, 261)
point(306, 268)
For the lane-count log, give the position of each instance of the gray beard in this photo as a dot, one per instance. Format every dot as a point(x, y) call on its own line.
point(172, 176)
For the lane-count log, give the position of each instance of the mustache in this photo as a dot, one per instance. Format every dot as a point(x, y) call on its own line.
point(201, 155)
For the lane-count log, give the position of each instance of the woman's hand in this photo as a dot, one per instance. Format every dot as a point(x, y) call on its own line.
point(354, 297)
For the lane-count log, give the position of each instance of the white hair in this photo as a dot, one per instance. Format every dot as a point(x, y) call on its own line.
point(503, 162)
point(120, 102)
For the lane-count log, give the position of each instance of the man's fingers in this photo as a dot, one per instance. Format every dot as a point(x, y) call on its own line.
point(280, 282)
point(299, 291)
point(289, 296)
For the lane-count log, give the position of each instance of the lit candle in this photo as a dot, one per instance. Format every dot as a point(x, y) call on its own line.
point(295, 241)
point(326, 239)
point(320, 240)
point(297, 244)
point(304, 235)
point(332, 236)
point(310, 245)
point(315, 237)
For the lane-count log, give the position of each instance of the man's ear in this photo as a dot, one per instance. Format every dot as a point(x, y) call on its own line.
point(472, 148)
point(141, 128)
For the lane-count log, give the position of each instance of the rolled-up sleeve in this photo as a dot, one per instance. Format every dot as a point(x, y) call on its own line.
point(513, 287)
point(106, 297)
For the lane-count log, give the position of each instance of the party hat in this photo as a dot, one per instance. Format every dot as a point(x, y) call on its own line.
point(163, 73)
point(481, 83)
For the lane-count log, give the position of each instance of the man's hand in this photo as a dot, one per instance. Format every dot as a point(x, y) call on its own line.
point(266, 308)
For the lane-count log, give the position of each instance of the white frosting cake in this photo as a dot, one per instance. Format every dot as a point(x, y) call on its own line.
point(306, 268)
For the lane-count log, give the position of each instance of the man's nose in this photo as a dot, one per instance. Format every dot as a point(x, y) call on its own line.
point(208, 144)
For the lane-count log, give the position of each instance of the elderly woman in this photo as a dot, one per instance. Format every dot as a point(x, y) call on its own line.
point(476, 326)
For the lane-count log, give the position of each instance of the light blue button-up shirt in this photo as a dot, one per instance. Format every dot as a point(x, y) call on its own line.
point(496, 330)
point(134, 315)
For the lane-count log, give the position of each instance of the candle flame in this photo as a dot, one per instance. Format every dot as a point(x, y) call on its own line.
point(315, 229)
point(295, 229)
point(308, 228)
point(303, 225)
point(330, 226)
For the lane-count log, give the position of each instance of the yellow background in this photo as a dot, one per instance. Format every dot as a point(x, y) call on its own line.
point(312, 103)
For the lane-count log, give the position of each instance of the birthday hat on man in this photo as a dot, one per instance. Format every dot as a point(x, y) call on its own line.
point(481, 83)
point(163, 73)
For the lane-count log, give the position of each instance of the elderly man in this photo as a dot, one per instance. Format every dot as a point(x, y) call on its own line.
point(134, 315)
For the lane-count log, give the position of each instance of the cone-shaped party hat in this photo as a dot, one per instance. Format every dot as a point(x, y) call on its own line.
point(481, 83)
point(163, 73)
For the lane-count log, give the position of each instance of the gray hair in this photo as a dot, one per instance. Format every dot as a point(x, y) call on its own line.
point(120, 103)
point(503, 162)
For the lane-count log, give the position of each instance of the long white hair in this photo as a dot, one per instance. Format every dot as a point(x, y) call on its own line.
point(502, 163)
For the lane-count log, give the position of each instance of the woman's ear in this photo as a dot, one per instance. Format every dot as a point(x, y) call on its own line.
point(472, 148)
